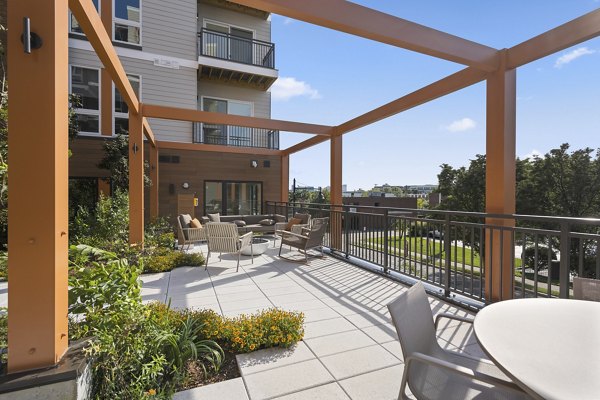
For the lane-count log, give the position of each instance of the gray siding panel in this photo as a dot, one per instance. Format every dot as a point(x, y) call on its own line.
point(261, 27)
point(162, 86)
point(261, 100)
point(169, 28)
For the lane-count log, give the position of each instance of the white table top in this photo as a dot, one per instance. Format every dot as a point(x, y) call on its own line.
point(551, 347)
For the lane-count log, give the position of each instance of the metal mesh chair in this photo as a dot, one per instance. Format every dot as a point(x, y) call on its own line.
point(308, 239)
point(586, 289)
point(223, 237)
point(434, 373)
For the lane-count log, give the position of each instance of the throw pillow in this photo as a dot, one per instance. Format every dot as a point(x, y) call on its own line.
point(292, 222)
point(195, 223)
point(239, 222)
point(267, 222)
point(214, 217)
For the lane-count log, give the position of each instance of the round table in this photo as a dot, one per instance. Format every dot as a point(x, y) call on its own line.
point(550, 347)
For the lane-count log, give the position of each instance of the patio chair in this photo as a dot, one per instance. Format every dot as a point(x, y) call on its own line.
point(303, 222)
point(188, 236)
point(223, 237)
point(586, 289)
point(434, 373)
point(308, 239)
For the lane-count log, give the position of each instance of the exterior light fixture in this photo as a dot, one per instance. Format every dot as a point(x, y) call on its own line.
point(185, 185)
point(254, 163)
point(30, 40)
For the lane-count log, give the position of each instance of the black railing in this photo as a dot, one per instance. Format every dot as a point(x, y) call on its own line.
point(238, 136)
point(460, 251)
point(235, 48)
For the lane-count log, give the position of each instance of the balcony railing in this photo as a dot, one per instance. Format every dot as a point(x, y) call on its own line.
point(451, 249)
point(238, 136)
point(234, 48)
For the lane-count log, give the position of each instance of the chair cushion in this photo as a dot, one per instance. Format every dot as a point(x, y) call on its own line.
point(304, 218)
point(253, 219)
point(214, 217)
point(184, 220)
point(239, 223)
point(267, 222)
point(195, 223)
point(292, 222)
point(279, 218)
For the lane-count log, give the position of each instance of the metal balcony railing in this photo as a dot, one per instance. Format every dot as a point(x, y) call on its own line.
point(238, 136)
point(452, 250)
point(234, 48)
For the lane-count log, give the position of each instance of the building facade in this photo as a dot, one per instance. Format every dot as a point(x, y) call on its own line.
point(209, 55)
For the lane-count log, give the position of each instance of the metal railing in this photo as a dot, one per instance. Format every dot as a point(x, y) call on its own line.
point(238, 136)
point(235, 48)
point(454, 250)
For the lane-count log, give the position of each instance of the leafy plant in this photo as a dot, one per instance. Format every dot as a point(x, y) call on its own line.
point(116, 161)
point(3, 265)
point(163, 260)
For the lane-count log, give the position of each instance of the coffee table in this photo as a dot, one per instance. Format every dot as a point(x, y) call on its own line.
point(549, 347)
point(259, 246)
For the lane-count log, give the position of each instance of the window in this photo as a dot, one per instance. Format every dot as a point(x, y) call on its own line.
point(223, 134)
point(121, 114)
point(232, 198)
point(85, 83)
point(127, 25)
point(228, 42)
point(74, 25)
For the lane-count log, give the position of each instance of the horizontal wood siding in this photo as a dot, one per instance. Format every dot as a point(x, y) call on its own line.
point(261, 100)
point(261, 27)
point(86, 155)
point(169, 28)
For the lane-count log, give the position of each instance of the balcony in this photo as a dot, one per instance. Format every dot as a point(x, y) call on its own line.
point(234, 59)
point(236, 136)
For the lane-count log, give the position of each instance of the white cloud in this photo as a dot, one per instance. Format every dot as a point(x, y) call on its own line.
point(533, 154)
point(572, 55)
point(285, 88)
point(461, 125)
point(287, 21)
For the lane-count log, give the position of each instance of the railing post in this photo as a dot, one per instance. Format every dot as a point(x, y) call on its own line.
point(385, 242)
point(564, 260)
point(447, 254)
point(346, 231)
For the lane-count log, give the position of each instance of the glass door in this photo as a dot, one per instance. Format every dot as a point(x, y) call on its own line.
point(240, 135)
point(216, 42)
point(213, 198)
point(233, 198)
point(241, 45)
point(214, 134)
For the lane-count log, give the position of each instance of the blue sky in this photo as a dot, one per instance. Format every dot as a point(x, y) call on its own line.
point(329, 77)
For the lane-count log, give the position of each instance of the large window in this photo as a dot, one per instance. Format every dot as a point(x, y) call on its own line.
point(85, 83)
point(121, 115)
point(223, 134)
point(74, 26)
point(233, 198)
point(127, 22)
point(228, 42)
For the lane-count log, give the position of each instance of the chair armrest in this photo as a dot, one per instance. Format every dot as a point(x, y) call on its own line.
point(298, 228)
point(195, 233)
point(451, 316)
point(288, 233)
point(246, 239)
point(459, 370)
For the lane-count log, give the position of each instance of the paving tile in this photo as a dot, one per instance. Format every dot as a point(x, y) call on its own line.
point(459, 335)
point(394, 348)
point(287, 379)
point(337, 343)
point(223, 289)
point(359, 361)
point(319, 314)
point(266, 359)
point(382, 333)
point(304, 305)
point(284, 299)
point(232, 389)
point(327, 327)
point(364, 320)
point(283, 290)
point(330, 391)
point(383, 384)
point(243, 304)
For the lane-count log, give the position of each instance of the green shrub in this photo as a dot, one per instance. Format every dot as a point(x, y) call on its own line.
point(3, 265)
point(189, 260)
point(159, 233)
point(3, 338)
point(163, 260)
point(529, 259)
point(246, 333)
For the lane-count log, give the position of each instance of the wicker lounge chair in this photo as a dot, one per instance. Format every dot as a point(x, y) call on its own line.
point(188, 236)
point(223, 237)
point(308, 239)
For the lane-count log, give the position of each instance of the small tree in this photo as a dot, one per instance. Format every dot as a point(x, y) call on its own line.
point(116, 161)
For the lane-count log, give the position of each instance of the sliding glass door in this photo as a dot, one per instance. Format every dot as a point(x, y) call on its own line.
point(233, 198)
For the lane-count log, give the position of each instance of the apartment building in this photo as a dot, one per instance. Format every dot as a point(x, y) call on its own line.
point(210, 55)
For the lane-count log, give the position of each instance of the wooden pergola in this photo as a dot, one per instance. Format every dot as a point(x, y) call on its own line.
point(38, 232)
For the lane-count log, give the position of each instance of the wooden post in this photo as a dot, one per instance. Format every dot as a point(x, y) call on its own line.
point(38, 211)
point(500, 180)
point(335, 192)
point(154, 179)
point(106, 95)
point(285, 178)
point(136, 178)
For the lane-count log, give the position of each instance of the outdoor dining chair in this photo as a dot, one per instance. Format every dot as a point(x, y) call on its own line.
point(434, 373)
point(223, 237)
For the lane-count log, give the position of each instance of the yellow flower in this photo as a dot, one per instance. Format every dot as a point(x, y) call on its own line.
point(151, 392)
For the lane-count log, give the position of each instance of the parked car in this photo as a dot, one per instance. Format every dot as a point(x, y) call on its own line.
point(435, 234)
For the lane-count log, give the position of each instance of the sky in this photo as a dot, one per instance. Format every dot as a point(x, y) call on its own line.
point(328, 77)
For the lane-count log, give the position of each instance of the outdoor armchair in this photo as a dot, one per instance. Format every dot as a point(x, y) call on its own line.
point(304, 222)
point(223, 237)
point(434, 373)
point(307, 239)
point(188, 236)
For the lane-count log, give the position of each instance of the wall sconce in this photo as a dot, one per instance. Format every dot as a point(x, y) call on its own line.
point(254, 163)
point(185, 185)
point(30, 40)
point(135, 148)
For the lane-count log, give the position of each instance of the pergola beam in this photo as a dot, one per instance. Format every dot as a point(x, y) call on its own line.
point(218, 148)
point(92, 26)
point(569, 34)
point(186, 114)
point(361, 21)
point(148, 132)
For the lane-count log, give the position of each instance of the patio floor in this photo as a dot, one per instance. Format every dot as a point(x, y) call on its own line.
point(350, 348)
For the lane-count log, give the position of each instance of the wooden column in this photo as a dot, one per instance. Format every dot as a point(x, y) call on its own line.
point(103, 187)
point(106, 84)
point(154, 179)
point(136, 178)
point(335, 192)
point(38, 230)
point(285, 178)
point(500, 180)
